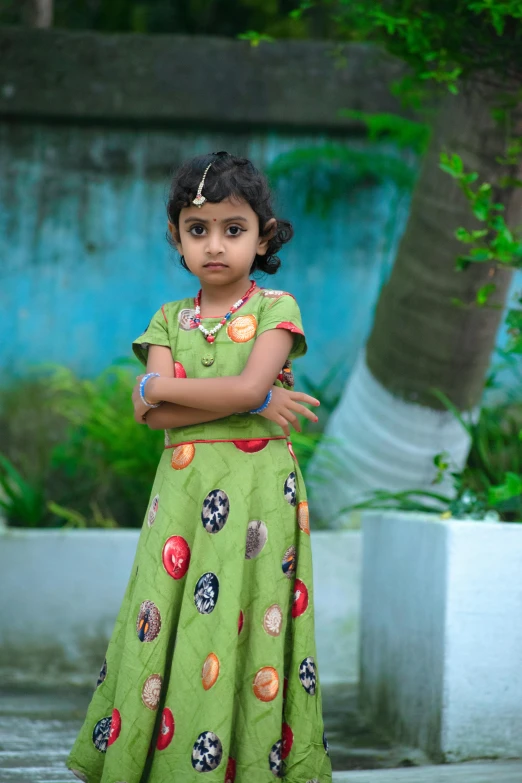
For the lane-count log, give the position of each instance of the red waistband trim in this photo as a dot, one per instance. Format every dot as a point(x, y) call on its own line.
point(224, 440)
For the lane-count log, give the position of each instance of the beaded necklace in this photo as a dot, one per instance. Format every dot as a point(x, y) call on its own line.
point(210, 333)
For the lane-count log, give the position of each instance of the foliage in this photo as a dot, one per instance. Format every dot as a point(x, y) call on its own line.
point(19, 499)
point(443, 41)
point(95, 465)
point(326, 173)
point(189, 17)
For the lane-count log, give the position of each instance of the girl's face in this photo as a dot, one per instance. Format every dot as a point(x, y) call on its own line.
point(220, 241)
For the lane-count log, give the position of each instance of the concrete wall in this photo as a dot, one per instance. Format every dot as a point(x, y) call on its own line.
point(441, 637)
point(61, 591)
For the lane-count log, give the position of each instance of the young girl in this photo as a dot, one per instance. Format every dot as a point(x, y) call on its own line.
point(212, 666)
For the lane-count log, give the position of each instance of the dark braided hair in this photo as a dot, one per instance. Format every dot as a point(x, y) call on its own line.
point(230, 177)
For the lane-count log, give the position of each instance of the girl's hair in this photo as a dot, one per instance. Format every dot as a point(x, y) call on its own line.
point(227, 177)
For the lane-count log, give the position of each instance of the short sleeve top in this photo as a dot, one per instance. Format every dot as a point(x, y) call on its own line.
point(193, 357)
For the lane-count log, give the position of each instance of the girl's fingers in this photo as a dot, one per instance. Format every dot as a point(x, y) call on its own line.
point(302, 397)
point(311, 415)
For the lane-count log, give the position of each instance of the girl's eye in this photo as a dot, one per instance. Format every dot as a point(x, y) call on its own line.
point(197, 231)
point(235, 230)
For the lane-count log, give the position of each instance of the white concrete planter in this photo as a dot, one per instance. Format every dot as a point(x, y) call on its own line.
point(441, 633)
point(61, 591)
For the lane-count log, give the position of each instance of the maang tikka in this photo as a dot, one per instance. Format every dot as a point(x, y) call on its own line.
point(200, 198)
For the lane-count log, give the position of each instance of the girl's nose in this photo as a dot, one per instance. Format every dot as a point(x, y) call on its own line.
point(214, 243)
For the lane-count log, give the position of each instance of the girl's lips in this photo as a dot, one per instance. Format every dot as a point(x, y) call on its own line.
point(215, 266)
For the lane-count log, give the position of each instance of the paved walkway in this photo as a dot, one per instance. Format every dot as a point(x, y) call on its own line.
point(39, 725)
point(487, 772)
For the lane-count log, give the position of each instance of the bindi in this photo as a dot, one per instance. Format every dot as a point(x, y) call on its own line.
point(214, 219)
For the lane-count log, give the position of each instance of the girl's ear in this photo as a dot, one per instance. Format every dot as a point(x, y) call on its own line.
point(174, 233)
point(270, 229)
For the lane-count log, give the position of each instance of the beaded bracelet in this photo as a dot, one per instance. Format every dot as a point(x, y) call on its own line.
point(265, 405)
point(142, 389)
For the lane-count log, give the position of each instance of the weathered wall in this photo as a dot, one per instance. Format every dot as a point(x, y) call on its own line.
point(180, 79)
point(90, 128)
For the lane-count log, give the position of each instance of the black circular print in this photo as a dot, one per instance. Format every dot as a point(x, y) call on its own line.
point(103, 673)
point(275, 761)
point(325, 743)
point(207, 752)
point(307, 675)
point(215, 511)
point(206, 593)
point(100, 734)
point(148, 624)
point(290, 495)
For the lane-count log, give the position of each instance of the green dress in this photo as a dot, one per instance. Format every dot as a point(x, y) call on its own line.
point(211, 671)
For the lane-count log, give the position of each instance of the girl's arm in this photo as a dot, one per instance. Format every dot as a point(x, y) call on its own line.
point(232, 394)
point(169, 415)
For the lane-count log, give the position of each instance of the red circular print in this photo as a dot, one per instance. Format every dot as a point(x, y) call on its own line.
point(176, 557)
point(166, 730)
point(250, 446)
point(230, 774)
point(300, 604)
point(290, 449)
point(114, 732)
point(240, 622)
point(179, 370)
point(288, 740)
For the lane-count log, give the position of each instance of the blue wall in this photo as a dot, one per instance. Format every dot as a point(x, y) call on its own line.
point(84, 261)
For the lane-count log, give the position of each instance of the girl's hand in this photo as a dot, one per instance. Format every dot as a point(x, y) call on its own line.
point(284, 407)
point(140, 410)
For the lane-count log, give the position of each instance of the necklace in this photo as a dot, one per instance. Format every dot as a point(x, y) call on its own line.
point(210, 334)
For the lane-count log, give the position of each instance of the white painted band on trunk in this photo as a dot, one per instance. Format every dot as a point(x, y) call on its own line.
point(381, 442)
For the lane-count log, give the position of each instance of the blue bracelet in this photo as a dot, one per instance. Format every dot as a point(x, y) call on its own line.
point(142, 389)
point(265, 405)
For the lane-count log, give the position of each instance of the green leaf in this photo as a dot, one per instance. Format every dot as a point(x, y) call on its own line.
point(484, 293)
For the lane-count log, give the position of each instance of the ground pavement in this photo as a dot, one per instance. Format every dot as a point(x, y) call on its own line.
point(39, 725)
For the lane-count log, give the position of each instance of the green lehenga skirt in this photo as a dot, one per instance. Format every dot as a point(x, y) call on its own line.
point(212, 666)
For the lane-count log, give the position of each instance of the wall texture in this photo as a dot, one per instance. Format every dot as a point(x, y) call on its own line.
point(91, 127)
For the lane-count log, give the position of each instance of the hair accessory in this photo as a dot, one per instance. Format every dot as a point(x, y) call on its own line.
point(142, 389)
point(200, 198)
point(210, 333)
point(265, 405)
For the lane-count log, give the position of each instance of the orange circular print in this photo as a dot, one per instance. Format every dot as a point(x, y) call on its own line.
point(210, 671)
point(266, 684)
point(182, 456)
point(303, 517)
point(242, 328)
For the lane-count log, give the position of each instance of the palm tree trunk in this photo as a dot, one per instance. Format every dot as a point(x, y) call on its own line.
point(38, 13)
point(389, 425)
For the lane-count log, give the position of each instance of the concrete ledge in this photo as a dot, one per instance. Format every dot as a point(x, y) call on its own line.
point(441, 634)
point(64, 589)
point(160, 79)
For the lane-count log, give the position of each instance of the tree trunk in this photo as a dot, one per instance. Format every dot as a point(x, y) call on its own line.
point(38, 13)
point(389, 425)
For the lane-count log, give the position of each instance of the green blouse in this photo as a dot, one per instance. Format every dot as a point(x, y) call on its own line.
point(194, 357)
